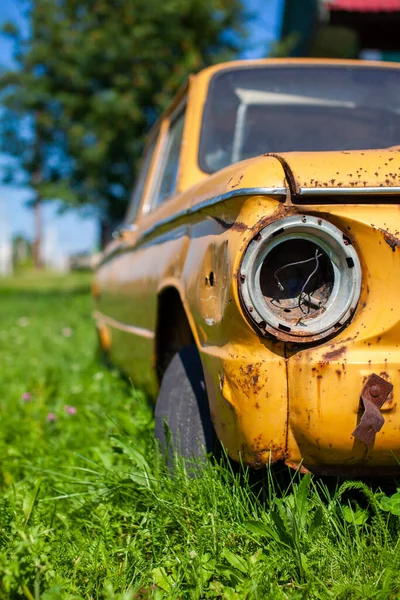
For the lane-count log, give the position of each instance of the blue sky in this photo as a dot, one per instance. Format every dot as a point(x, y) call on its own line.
point(75, 232)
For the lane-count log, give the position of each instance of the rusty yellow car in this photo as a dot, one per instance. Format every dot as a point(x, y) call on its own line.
point(253, 288)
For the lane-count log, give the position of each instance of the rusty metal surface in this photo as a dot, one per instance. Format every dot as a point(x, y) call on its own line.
point(297, 466)
point(355, 171)
point(374, 394)
point(391, 239)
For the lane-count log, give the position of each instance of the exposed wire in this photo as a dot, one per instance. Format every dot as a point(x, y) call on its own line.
point(299, 262)
point(316, 257)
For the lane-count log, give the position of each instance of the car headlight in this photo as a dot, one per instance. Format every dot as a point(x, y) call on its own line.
point(300, 279)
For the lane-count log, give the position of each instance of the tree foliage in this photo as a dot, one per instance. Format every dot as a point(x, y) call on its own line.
point(91, 78)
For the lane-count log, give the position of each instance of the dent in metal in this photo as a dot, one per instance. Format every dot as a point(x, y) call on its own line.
point(213, 283)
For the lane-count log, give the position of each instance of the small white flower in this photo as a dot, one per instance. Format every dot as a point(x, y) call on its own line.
point(67, 332)
point(193, 554)
point(99, 375)
point(23, 322)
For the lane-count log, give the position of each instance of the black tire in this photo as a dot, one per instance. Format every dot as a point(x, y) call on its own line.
point(182, 405)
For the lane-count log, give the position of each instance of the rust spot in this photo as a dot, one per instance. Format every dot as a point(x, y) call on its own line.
point(338, 373)
point(224, 224)
point(346, 240)
point(257, 405)
point(234, 225)
point(248, 379)
point(296, 466)
point(239, 226)
point(391, 240)
point(237, 182)
point(258, 456)
point(334, 354)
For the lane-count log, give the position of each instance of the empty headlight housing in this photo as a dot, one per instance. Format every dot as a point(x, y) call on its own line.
point(300, 279)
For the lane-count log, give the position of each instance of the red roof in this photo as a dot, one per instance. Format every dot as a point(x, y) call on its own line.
point(365, 5)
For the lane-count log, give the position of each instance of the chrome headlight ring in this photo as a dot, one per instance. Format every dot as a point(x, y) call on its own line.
point(300, 279)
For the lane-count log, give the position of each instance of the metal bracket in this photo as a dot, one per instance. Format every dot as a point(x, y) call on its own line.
point(374, 394)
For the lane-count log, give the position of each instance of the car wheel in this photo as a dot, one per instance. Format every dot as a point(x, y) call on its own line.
point(182, 416)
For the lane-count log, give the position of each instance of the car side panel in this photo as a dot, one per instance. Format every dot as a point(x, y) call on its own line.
point(128, 284)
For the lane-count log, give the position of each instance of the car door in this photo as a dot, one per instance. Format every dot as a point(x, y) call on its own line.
point(133, 271)
point(114, 307)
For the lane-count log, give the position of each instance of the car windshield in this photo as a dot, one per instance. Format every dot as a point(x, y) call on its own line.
point(281, 108)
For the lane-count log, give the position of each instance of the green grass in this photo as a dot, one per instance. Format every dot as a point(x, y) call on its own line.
point(87, 509)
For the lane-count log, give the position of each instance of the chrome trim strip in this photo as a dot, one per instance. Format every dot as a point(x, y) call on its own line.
point(140, 331)
point(261, 191)
point(343, 191)
point(119, 232)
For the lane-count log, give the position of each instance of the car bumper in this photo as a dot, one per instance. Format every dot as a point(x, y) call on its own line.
point(303, 409)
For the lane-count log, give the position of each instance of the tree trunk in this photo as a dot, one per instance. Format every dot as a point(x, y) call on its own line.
point(38, 228)
point(106, 230)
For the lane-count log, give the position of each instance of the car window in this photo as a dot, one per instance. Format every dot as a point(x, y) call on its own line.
point(167, 179)
point(282, 108)
point(140, 183)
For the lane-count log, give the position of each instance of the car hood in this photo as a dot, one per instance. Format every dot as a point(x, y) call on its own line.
point(342, 171)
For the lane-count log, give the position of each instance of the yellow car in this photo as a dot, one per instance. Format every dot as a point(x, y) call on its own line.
point(254, 287)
